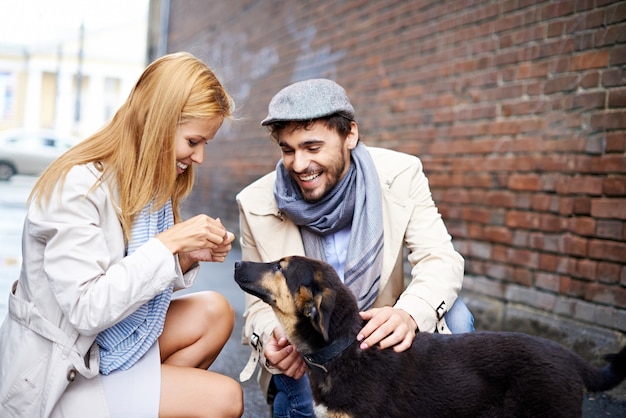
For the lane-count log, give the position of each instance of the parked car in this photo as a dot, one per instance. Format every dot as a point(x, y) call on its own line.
point(29, 152)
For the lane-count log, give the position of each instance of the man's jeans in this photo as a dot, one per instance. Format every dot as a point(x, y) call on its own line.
point(293, 398)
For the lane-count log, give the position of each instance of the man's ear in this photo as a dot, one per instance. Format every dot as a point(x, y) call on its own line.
point(320, 313)
point(353, 137)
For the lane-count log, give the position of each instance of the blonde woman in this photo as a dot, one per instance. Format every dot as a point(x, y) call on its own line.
point(92, 328)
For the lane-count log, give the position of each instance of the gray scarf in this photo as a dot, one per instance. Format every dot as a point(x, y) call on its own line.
point(355, 202)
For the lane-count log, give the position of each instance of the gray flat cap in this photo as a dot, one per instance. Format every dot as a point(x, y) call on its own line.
point(309, 99)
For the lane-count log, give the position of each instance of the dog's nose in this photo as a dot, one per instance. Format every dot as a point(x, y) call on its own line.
point(237, 264)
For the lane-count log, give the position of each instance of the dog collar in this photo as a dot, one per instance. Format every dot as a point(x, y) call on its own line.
point(332, 350)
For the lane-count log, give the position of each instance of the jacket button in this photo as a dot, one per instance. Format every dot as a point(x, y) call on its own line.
point(71, 375)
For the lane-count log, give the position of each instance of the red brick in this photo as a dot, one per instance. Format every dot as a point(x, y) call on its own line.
point(499, 271)
point(614, 77)
point(609, 208)
point(590, 100)
point(523, 277)
point(525, 220)
point(557, 9)
point(545, 242)
point(547, 262)
point(591, 185)
point(575, 245)
point(475, 231)
point(565, 206)
point(608, 250)
point(610, 229)
point(609, 295)
point(590, 80)
point(541, 202)
point(499, 253)
point(616, 13)
point(614, 186)
point(612, 35)
point(615, 141)
point(550, 223)
point(555, 29)
point(500, 199)
point(498, 234)
point(617, 98)
point(588, 60)
point(586, 269)
point(547, 281)
point(609, 120)
point(610, 163)
point(617, 55)
point(584, 226)
point(563, 83)
point(571, 287)
point(529, 259)
point(527, 182)
point(609, 272)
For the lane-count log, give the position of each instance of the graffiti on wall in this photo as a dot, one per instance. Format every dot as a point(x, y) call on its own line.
point(232, 58)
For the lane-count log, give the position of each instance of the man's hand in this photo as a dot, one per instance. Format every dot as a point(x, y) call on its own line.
point(284, 356)
point(388, 327)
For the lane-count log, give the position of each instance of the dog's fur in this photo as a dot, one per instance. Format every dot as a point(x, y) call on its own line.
point(481, 374)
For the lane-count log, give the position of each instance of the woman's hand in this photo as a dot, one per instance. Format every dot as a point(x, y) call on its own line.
point(202, 238)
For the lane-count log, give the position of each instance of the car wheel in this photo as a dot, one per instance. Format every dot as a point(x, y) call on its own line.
point(6, 170)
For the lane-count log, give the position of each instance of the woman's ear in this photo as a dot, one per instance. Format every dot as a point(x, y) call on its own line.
point(353, 137)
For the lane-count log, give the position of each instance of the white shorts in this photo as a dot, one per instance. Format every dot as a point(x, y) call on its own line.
point(136, 392)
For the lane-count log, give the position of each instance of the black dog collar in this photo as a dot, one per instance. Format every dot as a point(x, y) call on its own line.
point(328, 353)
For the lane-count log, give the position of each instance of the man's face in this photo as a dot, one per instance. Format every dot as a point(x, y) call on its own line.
point(316, 158)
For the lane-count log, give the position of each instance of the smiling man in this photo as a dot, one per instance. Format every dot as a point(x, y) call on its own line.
point(355, 207)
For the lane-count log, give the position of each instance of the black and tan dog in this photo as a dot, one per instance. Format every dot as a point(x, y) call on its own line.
point(482, 374)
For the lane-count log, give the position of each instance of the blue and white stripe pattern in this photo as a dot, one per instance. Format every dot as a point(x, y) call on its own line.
point(123, 344)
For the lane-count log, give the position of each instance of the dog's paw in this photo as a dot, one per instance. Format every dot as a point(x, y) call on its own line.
point(320, 411)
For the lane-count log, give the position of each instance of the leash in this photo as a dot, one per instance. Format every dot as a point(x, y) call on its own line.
point(324, 355)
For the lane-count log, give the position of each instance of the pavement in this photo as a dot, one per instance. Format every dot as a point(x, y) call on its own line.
point(233, 358)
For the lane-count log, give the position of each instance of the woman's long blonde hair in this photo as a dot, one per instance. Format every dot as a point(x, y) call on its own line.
point(136, 149)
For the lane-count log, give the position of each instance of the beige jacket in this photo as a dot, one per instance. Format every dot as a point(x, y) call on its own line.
point(75, 281)
point(411, 220)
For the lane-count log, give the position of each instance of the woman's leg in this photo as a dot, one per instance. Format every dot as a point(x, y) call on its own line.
point(293, 397)
point(197, 327)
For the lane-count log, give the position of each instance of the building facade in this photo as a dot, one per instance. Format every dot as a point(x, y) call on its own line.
point(71, 84)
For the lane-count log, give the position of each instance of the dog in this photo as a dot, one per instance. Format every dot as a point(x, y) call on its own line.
point(480, 374)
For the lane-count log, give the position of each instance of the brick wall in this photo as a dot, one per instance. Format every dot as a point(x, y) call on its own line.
point(517, 109)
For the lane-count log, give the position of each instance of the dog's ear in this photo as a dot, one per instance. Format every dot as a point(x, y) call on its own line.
point(320, 312)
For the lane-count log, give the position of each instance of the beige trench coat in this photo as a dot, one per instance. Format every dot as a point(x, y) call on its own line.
point(411, 220)
point(75, 281)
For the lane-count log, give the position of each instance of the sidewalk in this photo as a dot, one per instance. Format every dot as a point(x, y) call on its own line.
point(219, 277)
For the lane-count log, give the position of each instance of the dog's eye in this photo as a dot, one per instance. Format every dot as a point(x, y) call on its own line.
point(277, 267)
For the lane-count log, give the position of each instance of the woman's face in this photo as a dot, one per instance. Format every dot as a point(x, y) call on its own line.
point(191, 137)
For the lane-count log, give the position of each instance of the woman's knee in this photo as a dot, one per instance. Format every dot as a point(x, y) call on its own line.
point(227, 398)
point(205, 393)
point(218, 310)
point(234, 392)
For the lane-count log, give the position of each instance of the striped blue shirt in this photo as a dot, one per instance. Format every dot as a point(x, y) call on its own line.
point(123, 344)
